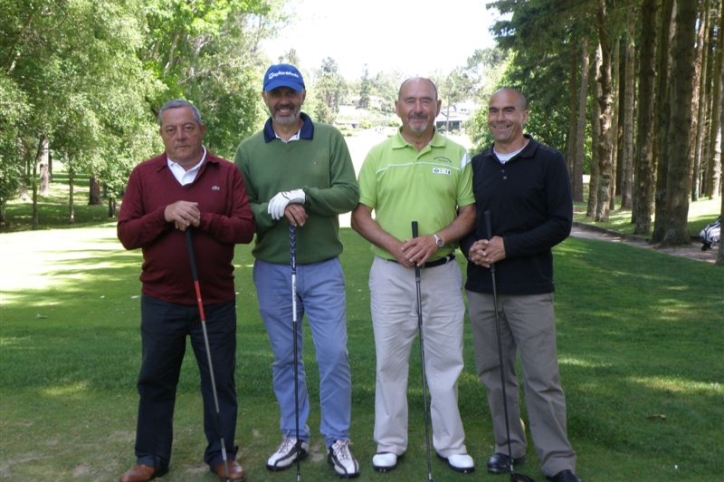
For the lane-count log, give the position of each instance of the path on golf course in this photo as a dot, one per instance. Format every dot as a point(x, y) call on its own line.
point(693, 251)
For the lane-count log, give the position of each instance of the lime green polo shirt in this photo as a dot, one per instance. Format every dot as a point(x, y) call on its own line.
point(403, 185)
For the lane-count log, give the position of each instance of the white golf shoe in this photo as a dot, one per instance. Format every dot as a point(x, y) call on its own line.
point(460, 462)
point(342, 460)
point(287, 453)
point(384, 461)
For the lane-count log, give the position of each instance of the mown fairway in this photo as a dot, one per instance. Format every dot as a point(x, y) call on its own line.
point(640, 341)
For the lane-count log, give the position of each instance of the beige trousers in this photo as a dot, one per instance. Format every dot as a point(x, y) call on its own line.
point(395, 322)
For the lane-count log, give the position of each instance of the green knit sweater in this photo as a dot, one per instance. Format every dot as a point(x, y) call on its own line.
point(320, 163)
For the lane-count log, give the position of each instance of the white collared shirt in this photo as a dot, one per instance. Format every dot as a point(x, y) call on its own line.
point(295, 137)
point(182, 175)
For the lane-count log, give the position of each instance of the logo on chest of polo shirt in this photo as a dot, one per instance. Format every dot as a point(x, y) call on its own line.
point(215, 188)
point(441, 170)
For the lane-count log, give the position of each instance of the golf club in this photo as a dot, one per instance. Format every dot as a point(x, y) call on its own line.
point(295, 349)
point(202, 315)
point(422, 361)
point(513, 476)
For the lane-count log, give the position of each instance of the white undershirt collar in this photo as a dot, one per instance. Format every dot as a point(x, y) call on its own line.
point(182, 175)
point(503, 158)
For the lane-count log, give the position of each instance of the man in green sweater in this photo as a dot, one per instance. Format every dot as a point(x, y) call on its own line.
point(299, 173)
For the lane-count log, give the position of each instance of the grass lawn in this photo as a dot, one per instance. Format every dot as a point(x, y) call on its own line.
point(640, 344)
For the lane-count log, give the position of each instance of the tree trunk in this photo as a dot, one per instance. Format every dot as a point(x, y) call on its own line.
point(94, 192)
point(663, 108)
point(616, 93)
point(714, 171)
point(605, 143)
point(44, 169)
point(699, 101)
point(27, 159)
point(34, 182)
point(572, 100)
point(720, 256)
point(578, 158)
point(71, 192)
point(644, 178)
point(595, 179)
point(628, 114)
point(680, 152)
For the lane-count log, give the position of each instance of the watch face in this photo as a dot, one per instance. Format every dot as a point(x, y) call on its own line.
point(439, 241)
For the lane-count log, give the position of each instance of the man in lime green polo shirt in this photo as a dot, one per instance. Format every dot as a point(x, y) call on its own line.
point(416, 175)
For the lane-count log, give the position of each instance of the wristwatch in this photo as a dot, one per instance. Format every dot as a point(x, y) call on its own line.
point(438, 241)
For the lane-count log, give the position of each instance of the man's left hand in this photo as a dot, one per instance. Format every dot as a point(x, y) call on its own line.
point(279, 202)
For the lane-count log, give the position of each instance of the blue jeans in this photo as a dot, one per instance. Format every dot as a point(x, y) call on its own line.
point(321, 295)
point(164, 327)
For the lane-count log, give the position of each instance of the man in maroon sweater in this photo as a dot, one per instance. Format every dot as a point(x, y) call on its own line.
point(185, 188)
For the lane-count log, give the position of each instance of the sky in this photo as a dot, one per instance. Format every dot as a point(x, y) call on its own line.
point(413, 37)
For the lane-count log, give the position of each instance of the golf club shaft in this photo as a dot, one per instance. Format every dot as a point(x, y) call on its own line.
point(295, 347)
point(499, 337)
point(422, 359)
point(202, 316)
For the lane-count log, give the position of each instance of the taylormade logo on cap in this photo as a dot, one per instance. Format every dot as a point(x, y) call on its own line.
point(283, 75)
point(286, 72)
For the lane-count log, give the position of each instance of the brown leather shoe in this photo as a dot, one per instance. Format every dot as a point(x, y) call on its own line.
point(139, 473)
point(236, 472)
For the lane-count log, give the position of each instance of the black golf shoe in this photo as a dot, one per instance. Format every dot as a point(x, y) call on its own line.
point(564, 476)
point(500, 463)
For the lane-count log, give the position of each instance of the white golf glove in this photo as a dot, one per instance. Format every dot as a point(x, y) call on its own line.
point(279, 202)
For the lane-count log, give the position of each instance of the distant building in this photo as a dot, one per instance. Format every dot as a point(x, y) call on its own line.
point(452, 119)
point(375, 102)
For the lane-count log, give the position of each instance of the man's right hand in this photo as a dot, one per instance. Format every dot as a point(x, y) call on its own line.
point(183, 214)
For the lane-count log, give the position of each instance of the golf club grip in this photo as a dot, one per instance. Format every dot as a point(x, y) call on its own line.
point(192, 256)
point(414, 235)
point(488, 226)
point(489, 233)
point(293, 247)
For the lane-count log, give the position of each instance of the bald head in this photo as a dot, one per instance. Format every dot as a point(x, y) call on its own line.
point(515, 95)
point(417, 80)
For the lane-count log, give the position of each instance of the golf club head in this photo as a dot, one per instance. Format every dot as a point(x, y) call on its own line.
point(520, 478)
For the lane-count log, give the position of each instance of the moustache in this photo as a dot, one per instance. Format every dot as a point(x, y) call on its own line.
point(284, 107)
point(419, 116)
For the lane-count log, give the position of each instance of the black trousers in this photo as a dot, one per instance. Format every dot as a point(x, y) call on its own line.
point(164, 327)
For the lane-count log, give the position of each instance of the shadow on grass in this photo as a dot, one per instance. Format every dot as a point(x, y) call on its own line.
point(640, 337)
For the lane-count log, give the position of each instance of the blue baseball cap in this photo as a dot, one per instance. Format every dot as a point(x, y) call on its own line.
point(283, 75)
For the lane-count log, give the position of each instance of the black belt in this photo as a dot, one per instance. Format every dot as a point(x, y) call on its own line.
point(440, 262)
point(437, 262)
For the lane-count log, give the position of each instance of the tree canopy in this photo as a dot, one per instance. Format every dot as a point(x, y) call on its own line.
point(629, 90)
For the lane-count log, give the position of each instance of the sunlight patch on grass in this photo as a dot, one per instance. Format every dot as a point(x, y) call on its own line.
point(76, 388)
point(579, 362)
point(34, 260)
point(678, 385)
point(700, 213)
point(6, 341)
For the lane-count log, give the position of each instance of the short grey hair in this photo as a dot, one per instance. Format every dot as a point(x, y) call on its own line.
point(177, 104)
